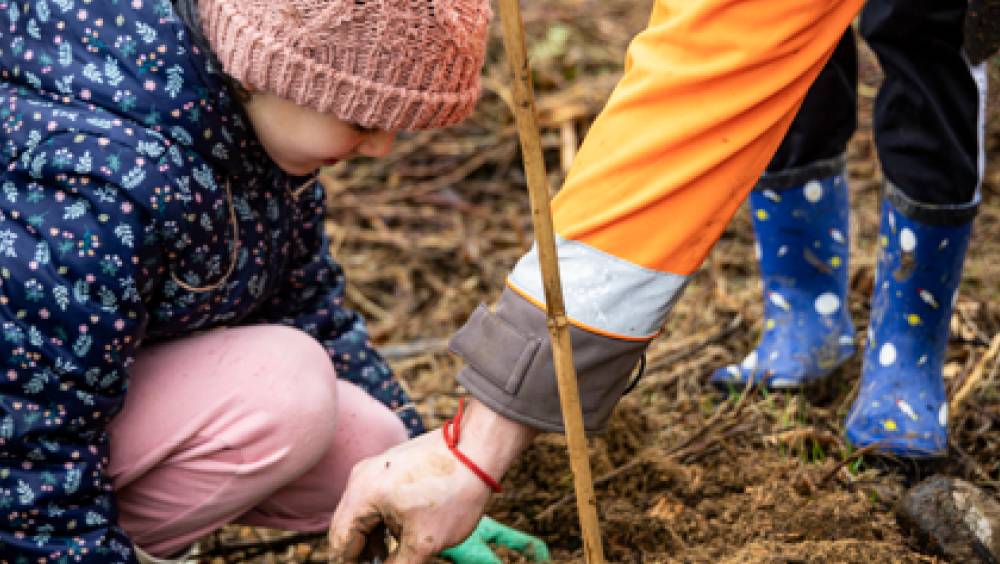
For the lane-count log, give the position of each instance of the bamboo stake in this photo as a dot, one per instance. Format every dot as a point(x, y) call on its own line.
point(562, 351)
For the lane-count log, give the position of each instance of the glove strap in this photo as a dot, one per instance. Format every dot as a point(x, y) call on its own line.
point(451, 432)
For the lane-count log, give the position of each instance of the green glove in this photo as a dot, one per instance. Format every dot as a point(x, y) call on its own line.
point(476, 549)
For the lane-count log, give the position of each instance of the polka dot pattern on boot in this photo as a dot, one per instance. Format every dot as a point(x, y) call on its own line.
point(907, 240)
point(813, 191)
point(827, 304)
point(887, 355)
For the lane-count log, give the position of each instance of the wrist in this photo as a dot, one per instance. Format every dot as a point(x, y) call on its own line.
point(491, 440)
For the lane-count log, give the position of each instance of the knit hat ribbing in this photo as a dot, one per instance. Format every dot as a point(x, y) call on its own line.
point(386, 64)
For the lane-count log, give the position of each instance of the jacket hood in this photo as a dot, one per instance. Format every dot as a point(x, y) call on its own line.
point(140, 66)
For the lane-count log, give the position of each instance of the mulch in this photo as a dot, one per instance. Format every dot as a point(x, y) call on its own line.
point(684, 474)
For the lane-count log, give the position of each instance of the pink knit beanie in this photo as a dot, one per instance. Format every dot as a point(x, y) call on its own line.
point(386, 64)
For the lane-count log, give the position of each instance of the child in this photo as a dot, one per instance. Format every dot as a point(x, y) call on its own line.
point(161, 233)
point(929, 126)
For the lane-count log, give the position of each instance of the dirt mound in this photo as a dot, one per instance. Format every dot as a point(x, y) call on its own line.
point(718, 501)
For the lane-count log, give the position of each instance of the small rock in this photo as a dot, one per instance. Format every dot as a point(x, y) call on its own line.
point(957, 519)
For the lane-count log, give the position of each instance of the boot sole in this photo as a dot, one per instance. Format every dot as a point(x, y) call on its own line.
point(821, 386)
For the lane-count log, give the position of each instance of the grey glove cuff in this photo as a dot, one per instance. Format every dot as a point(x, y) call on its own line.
point(509, 365)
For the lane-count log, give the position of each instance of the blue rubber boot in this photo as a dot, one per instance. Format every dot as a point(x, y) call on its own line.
point(901, 403)
point(802, 247)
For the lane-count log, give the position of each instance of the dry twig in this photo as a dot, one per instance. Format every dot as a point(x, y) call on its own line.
point(970, 383)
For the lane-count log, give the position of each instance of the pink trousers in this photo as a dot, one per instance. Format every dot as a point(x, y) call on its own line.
point(245, 425)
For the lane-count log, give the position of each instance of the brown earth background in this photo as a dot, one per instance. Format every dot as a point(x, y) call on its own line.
point(684, 474)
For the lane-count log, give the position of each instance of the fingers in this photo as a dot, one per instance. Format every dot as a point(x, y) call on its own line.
point(376, 546)
point(349, 535)
point(358, 526)
point(502, 535)
point(488, 529)
point(531, 547)
point(511, 538)
point(410, 552)
point(355, 520)
point(471, 552)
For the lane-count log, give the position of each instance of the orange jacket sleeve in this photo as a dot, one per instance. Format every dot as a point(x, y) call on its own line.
point(709, 90)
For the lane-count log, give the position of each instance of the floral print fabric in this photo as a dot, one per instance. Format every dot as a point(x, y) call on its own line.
point(120, 154)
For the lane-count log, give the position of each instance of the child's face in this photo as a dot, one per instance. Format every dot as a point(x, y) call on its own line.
point(302, 140)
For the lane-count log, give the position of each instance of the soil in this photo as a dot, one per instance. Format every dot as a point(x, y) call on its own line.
point(685, 474)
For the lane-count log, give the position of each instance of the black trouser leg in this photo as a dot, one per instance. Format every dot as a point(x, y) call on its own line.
point(926, 117)
point(828, 115)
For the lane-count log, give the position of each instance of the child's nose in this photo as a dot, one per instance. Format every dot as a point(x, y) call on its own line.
point(377, 143)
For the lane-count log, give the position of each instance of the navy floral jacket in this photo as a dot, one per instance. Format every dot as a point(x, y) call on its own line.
point(118, 142)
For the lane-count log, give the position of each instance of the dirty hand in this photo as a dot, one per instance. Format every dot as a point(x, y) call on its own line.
point(425, 496)
point(476, 549)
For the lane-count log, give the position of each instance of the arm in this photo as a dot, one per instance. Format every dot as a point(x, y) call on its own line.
point(71, 318)
point(708, 92)
point(311, 298)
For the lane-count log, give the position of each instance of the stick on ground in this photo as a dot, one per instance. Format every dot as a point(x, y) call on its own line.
point(970, 383)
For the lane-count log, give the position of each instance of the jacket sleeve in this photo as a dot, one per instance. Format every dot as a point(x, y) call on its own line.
point(709, 90)
point(71, 315)
point(311, 297)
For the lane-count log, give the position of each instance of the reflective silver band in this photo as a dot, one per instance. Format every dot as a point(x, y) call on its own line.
point(602, 291)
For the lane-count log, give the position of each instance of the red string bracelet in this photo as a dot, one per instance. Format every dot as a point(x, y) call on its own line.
point(452, 442)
